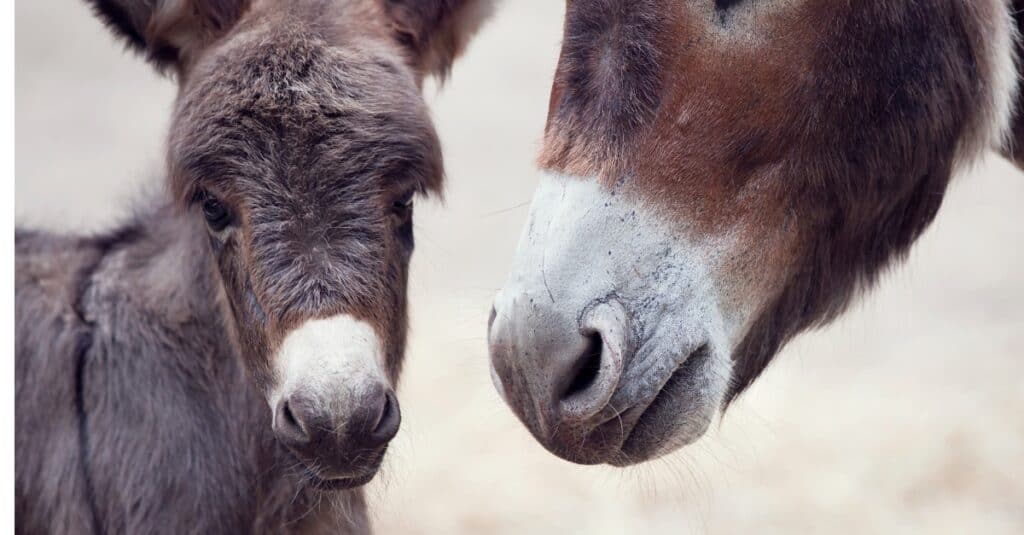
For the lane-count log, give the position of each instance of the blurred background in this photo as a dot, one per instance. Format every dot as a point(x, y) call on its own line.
point(907, 416)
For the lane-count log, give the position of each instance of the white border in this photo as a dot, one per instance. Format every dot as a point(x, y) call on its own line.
point(7, 295)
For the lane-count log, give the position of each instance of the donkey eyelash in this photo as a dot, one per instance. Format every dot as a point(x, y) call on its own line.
point(217, 214)
point(405, 201)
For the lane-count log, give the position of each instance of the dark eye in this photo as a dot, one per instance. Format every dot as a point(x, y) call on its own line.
point(217, 215)
point(402, 208)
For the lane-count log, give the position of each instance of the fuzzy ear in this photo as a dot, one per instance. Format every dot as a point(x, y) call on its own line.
point(436, 31)
point(169, 32)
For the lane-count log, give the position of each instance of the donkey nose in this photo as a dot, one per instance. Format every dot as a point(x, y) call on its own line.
point(382, 418)
point(373, 420)
point(297, 423)
point(587, 385)
point(555, 369)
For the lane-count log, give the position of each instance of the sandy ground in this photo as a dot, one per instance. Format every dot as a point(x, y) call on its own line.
point(905, 417)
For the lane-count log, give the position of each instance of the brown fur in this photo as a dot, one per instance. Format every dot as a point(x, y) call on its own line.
point(824, 133)
point(436, 31)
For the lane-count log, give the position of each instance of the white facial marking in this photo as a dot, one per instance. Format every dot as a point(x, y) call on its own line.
point(328, 358)
point(583, 243)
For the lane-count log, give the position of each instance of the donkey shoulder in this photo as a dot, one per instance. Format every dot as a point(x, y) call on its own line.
point(50, 333)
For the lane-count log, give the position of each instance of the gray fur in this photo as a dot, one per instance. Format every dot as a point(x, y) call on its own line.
point(120, 338)
point(143, 356)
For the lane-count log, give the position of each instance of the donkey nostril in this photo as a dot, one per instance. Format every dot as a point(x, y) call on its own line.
point(389, 421)
point(587, 368)
point(288, 426)
point(289, 418)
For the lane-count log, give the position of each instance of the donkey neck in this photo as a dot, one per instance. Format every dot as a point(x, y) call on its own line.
point(159, 265)
point(159, 261)
point(153, 302)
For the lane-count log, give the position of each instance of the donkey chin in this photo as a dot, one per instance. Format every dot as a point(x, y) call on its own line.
point(598, 366)
point(333, 406)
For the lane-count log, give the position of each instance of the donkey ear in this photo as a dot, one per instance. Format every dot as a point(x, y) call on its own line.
point(169, 32)
point(436, 31)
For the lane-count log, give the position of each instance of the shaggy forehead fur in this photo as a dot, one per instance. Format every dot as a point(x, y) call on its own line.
point(822, 134)
point(283, 104)
point(312, 144)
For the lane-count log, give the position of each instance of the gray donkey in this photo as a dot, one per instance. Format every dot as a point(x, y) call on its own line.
point(225, 361)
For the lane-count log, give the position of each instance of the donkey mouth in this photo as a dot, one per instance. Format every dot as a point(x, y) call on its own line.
point(340, 483)
point(667, 418)
point(330, 480)
point(674, 417)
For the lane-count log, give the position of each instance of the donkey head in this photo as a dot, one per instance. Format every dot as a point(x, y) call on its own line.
point(717, 177)
point(300, 138)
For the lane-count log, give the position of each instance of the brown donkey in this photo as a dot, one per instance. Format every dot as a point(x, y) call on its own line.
point(225, 362)
point(718, 176)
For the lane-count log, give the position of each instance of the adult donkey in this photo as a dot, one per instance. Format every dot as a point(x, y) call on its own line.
point(718, 176)
point(274, 276)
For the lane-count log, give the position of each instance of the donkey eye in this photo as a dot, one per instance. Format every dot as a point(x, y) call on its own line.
point(217, 215)
point(402, 208)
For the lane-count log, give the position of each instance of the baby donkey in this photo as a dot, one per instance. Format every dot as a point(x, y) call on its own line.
point(225, 362)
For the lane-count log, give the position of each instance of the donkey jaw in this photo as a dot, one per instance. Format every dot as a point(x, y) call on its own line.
point(609, 339)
